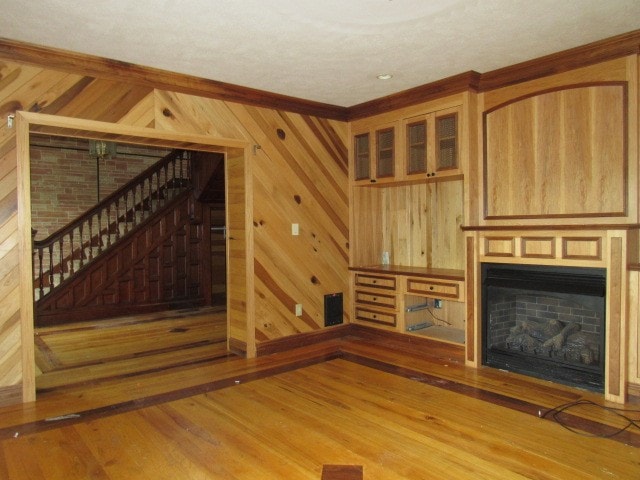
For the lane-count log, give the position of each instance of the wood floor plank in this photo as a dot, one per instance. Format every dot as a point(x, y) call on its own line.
point(337, 412)
point(75, 354)
point(130, 366)
point(400, 413)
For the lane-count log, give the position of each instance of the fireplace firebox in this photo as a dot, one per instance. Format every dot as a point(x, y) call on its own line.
point(545, 321)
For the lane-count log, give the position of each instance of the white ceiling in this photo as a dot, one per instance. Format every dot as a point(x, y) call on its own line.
point(323, 50)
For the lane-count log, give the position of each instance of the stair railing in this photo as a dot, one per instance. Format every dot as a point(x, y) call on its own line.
point(66, 251)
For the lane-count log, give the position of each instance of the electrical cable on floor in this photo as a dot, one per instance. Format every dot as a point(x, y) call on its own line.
point(557, 411)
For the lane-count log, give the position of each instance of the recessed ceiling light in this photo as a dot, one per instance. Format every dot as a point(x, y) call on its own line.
point(385, 76)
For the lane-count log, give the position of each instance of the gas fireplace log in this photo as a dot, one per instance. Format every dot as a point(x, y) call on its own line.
point(557, 341)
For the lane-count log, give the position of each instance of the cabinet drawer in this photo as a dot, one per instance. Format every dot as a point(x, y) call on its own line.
point(376, 299)
point(434, 288)
point(377, 281)
point(376, 316)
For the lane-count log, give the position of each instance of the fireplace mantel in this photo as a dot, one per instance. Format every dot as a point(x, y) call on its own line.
point(598, 247)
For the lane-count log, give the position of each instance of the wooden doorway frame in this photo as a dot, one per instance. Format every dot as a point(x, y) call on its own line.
point(239, 218)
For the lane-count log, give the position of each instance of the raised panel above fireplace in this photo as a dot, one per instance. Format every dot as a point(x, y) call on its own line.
point(559, 153)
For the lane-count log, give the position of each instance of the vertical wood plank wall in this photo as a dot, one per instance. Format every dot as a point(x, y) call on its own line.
point(298, 175)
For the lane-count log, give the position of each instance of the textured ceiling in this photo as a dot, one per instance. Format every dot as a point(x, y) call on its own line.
point(329, 51)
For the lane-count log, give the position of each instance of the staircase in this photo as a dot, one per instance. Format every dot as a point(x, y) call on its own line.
point(68, 251)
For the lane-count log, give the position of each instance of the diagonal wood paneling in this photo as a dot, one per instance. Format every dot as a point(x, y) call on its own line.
point(301, 178)
point(36, 89)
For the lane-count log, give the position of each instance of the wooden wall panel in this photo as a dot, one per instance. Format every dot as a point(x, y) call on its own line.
point(418, 224)
point(298, 175)
point(559, 154)
point(540, 174)
point(310, 189)
point(10, 328)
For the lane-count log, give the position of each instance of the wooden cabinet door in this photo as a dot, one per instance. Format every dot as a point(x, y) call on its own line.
point(431, 145)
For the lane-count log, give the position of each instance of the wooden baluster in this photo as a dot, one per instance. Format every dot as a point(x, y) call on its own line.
point(91, 238)
point(41, 271)
point(71, 244)
point(81, 248)
point(126, 212)
point(107, 229)
point(99, 232)
point(150, 195)
point(60, 257)
point(50, 267)
point(173, 174)
point(117, 223)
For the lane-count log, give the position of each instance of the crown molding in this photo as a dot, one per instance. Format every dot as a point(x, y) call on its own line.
point(431, 91)
point(564, 61)
point(93, 66)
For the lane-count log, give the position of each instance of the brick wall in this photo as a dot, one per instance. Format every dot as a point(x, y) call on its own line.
point(63, 178)
point(509, 310)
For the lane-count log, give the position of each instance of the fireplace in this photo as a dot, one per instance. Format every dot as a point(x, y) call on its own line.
point(545, 321)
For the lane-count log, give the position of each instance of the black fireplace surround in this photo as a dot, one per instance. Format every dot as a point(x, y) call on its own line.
point(545, 321)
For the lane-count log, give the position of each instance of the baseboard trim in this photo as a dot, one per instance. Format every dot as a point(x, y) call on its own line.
point(633, 390)
point(10, 395)
point(302, 339)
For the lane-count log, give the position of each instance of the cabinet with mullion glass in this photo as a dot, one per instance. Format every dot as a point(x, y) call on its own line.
point(432, 145)
point(374, 155)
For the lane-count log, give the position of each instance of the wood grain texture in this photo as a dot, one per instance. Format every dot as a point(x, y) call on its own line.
point(558, 154)
point(118, 71)
point(123, 347)
point(301, 179)
point(418, 224)
point(161, 265)
point(392, 420)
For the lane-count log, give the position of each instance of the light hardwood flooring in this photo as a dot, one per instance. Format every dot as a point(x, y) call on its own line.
point(397, 410)
point(87, 352)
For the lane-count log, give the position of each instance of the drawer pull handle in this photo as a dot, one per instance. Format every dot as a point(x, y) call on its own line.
point(375, 299)
point(374, 316)
point(375, 281)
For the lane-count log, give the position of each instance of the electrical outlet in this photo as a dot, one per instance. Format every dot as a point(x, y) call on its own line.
point(295, 229)
point(437, 303)
point(298, 309)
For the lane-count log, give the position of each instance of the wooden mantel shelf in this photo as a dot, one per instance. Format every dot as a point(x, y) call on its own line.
point(443, 273)
point(624, 226)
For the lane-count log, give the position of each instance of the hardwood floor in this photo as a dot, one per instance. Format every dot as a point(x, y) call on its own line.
point(396, 410)
point(87, 352)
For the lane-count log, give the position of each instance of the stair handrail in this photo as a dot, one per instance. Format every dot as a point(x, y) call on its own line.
point(109, 206)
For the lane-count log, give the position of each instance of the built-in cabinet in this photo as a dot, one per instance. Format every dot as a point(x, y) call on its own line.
point(414, 148)
point(417, 301)
point(407, 204)
point(538, 172)
point(557, 184)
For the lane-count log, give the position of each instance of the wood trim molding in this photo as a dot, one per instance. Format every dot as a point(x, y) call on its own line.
point(566, 60)
point(302, 340)
point(94, 66)
point(431, 91)
point(11, 395)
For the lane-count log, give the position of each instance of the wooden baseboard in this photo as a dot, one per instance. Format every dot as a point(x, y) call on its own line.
point(302, 339)
point(11, 395)
point(403, 341)
point(237, 347)
point(633, 390)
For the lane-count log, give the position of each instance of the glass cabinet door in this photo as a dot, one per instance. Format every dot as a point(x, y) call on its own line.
point(385, 152)
point(447, 142)
point(362, 157)
point(417, 147)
